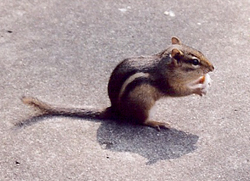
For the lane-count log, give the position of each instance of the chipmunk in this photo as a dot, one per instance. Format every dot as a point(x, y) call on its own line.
point(137, 83)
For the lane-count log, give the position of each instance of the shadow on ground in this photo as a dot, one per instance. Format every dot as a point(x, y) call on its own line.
point(145, 141)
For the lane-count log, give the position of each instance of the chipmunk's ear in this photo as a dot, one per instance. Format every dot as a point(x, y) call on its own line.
point(176, 40)
point(175, 53)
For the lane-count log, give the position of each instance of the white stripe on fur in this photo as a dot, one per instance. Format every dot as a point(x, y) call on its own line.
point(131, 79)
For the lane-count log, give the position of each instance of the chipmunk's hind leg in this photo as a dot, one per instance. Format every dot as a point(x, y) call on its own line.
point(155, 124)
point(139, 105)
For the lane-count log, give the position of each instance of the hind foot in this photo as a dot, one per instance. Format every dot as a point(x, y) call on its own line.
point(157, 125)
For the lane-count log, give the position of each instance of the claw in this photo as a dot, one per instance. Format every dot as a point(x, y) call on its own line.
point(157, 125)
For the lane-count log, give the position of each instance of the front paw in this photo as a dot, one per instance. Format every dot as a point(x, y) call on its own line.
point(201, 85)
point(201, 89)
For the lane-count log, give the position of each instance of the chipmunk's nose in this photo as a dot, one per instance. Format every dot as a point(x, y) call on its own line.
point(211, 68)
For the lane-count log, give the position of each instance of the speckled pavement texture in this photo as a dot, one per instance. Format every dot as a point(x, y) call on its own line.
point(63, 52)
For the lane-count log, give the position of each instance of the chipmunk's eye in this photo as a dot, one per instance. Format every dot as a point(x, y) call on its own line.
point(195, 61)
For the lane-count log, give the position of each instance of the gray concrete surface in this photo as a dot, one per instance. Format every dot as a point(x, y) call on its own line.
point(64, 51)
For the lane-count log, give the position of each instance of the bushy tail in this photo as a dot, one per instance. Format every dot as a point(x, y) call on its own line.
point(48, 109)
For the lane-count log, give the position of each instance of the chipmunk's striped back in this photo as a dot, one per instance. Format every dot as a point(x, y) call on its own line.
point(134, 70)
